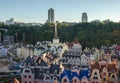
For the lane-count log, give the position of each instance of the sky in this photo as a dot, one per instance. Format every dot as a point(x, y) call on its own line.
point(65, 10)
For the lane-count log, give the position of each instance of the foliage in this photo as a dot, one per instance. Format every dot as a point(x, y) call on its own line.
point(89, 34)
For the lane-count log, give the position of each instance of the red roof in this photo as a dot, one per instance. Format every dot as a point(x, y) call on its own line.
point(117, 47)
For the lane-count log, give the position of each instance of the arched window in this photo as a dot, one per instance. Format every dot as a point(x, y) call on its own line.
point(75, 81)
point(113, 76)
point(47, 77)
point(27, 71)
point(95, 73)
point(55, 78)
point(65, 81)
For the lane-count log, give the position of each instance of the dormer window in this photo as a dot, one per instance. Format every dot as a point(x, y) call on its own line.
point(65, 81)
point(27, 71)
point(47, 78)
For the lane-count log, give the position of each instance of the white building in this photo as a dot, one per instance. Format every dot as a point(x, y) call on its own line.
point(3, 51)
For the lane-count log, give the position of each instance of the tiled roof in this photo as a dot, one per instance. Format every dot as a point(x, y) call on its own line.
point(112, 67)
point(74, 74)
point(84, 72)
point(95, 66)
point(28, 61)
point(70, 74)
point(54, 67)
point(42, 63)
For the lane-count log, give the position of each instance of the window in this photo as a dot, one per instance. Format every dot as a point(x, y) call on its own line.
point(55, 78)
point(104, 74)
point(65, 80)
point(95, 77)
point(25, 76)
point(75, 81)
point(113, 76)
point(29, 76)
point(47, 78)
point(95, 73)
point(27, 71)
point(104, 79)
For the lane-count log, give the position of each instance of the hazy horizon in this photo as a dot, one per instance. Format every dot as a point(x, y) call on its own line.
point(68, 11)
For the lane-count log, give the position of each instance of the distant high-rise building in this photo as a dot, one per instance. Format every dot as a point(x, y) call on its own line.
point(10, 21)
point(51, 15)
point(84, 17)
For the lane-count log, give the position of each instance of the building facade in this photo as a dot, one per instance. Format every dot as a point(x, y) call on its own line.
point(51, 15)
point(84, 17)
point(35, 70)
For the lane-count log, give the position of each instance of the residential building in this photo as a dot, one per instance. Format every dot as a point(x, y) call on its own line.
point(35, 70)
point(51, 15)
point(75, 74)
point(84, 17)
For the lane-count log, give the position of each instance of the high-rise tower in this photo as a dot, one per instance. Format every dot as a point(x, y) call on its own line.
point(84, 17)
point(51, 15)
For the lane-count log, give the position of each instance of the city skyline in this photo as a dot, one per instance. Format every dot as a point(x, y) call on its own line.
point(70, 11)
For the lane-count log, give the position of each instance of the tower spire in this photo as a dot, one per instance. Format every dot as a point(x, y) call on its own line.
point(56, 38)
point(55, 34)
